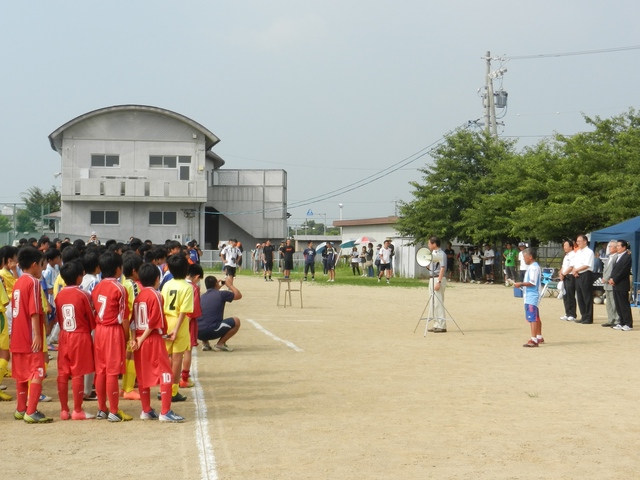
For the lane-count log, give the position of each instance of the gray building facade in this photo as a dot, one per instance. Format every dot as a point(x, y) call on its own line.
point(147, 172)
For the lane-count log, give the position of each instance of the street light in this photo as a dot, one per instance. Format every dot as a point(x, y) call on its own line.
point(340, 205)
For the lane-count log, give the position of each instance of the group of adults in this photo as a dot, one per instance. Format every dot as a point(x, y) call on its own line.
point(577, 275)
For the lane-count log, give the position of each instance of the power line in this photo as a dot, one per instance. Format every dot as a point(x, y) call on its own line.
point(570, 54)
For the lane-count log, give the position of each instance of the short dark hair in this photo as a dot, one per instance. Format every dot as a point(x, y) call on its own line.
point(70, 272)
point(109, 263)
point(148, 274)
point(624, 243)
point(131, 262)
point(70, 253)
point(435, 240)
point(9, 253)
point(178, 266)
point(195, 269)
point(28, 256)
point(173, 244)
point(149, 256)
point(52, 254)
point(91, 261)
point(210, 282)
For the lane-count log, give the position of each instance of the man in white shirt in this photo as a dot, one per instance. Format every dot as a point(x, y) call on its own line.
point(523, 264)
point(385, 261)
point(230, 256)
point(489, 257)
point(437, 284)
point(569, 282)
point(582, 268)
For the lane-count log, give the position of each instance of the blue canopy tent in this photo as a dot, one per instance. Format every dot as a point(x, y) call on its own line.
point(628, 230)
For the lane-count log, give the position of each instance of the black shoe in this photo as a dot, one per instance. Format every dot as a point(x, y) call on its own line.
point(587, 323)
point(578, 320)
point(607, 324)
point(91, 398)
point(178, 397)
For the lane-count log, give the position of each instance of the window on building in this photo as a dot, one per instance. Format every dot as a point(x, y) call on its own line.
point(105, 217)
point(167, 161)
point(163, 218)
point(99, 160)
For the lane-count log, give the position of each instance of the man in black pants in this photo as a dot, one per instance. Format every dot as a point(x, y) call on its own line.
point(621, 286)
point(582, 268)
point(566, 275)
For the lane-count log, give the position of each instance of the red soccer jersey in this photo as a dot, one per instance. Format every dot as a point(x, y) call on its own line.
point(197, 311)
point(110, 299)
point(26, 301)
point(148, 312)
point(73, 310)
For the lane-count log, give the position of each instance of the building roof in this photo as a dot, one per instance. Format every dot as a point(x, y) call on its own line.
point(55, 138)
point(366, 221)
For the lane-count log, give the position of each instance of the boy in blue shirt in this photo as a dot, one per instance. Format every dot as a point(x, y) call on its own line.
point(531, 284)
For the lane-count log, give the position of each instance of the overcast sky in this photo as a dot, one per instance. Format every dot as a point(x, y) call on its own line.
point(330, 91)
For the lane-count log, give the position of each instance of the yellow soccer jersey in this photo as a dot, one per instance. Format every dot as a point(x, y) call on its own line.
point(132, 293)
point(178, 297)
point(4, 299)
point(8, 279)
point(58, 285)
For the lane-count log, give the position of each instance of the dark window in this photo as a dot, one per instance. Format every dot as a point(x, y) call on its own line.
point(184, 172)
point(105, 161)
point(163, 218)
point(105, 217)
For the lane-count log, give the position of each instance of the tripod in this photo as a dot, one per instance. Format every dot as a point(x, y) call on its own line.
point(431, 304)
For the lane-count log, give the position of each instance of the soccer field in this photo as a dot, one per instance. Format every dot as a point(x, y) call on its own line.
point(344, 388)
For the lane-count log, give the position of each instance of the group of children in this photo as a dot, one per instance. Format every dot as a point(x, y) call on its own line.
point(113, 320)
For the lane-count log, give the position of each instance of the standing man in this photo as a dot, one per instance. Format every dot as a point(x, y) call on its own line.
point(392, 254)
point(621, 286)
point(310, 261)
point(267, 259)
point(510, 254)
point(437, 285)
point(489, 257)
point(522, 263)
point(613, 318)
point(231, 256)
point(451, 255)
point(287, 254)
point(582, 268)
point(569, 281)
point(385, 261)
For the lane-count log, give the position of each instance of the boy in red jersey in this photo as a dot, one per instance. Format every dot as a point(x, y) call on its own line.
point(27, 337)
point(194, 275)
point(150, 353)
point(112, 333)
point(75, 317)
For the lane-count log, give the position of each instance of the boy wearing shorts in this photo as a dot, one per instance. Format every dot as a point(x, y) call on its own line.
point(4, 332)
point(27, 337)
point(110, 299)
point(531, 284)
point(149, 350)
point(195, 273)
point(75, 316)
point(177, 294)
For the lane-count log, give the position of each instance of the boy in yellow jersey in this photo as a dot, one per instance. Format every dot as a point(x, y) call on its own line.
point(4, 332)
point(131, 262)
point(9, 275)
point(178, 302)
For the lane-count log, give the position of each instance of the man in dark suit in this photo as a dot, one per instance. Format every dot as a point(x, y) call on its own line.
point(621, 285)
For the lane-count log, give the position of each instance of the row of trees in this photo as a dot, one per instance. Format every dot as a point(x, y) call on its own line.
point(36, 204)
point(480, 188)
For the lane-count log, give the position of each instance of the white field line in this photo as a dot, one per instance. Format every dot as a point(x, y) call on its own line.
point(205, 448)
point(275, 337)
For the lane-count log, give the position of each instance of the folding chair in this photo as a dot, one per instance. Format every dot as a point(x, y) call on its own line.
point(550, 285)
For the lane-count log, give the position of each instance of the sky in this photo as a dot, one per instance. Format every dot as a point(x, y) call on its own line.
point(333, 92)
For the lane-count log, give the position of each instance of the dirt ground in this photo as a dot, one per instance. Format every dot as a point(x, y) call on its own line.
point(344, 388)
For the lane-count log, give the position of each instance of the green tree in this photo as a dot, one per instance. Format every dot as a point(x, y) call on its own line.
point(5, 224)
point(39, 203)
point(460, 177)
point(24, 222)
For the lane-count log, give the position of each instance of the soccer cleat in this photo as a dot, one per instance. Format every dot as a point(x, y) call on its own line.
point(3, 387)
point(4, 397)
point(178, 397)
point(102, 415)
point(65, 415)
point(81, 415)
point(188, 384)
point(52, 348)
point(530, 344)
point(222, 348)
point(540, 340)
point(18, 415)
point(37, 417)
point(92, 397)
point(119, 417)
point(44, 398)
point(150, 415)
point(171, 417)
point(132, 395)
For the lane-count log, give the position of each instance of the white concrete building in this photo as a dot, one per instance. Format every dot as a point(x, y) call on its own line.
point(135, 170)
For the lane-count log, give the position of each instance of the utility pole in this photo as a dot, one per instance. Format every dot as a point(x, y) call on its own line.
point(490, 123)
